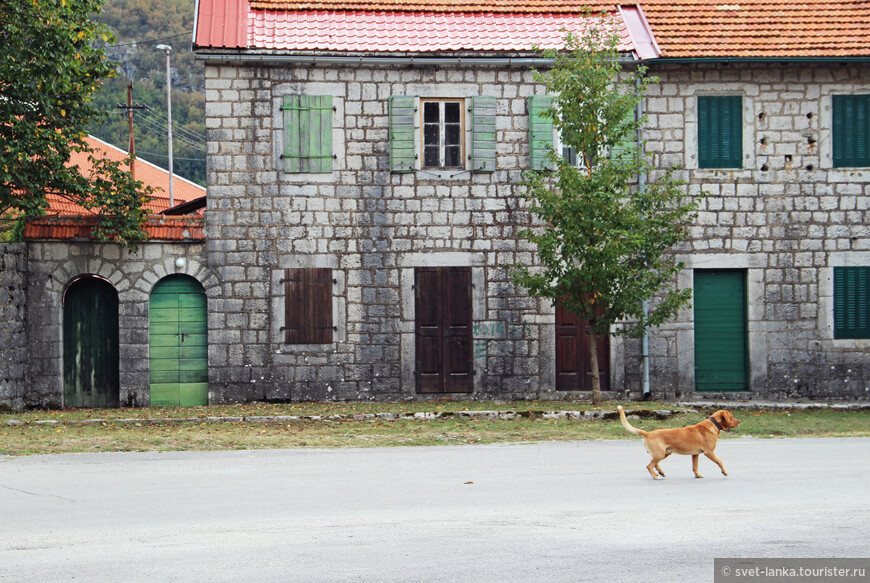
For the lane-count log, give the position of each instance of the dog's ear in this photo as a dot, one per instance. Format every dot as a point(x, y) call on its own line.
point(727, 419)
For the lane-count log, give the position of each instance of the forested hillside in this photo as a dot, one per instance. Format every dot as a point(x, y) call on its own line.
point(141, 25)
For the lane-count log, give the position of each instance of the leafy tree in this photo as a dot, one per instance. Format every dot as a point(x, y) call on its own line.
point(604, 239)
point(50, 68)
point(140, 25)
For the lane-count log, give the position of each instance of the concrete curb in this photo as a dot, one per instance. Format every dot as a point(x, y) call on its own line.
point(687, 407)
point(419, 416)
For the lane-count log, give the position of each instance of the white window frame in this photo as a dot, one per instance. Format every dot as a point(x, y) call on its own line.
point(442, 146)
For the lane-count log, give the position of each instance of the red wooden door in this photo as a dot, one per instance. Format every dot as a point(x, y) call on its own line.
point(573, 370)
point(443, 329)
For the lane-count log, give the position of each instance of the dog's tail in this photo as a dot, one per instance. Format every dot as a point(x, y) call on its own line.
point(627, 425)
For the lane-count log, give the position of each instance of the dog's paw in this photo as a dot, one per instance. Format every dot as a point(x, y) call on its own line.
point(699, 476)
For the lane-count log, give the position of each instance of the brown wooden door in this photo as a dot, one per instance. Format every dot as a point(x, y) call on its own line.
point(573, 370)
point(443, 329)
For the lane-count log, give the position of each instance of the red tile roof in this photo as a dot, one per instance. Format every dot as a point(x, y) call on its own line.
point(682, 28)
point(149, 174)
point(413, 32)
point(221, 23)
point(511, 6)
point(440, 26)
point(760, 28)
point(160, 228)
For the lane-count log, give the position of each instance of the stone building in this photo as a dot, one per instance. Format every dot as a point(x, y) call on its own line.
point(78, 323)
point(332, 159)
point(364, 168)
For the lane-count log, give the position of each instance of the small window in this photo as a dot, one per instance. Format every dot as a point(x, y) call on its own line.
point(442, 134)
point(720, 131)
point(307, 133)
point(308, 306)
point(850, 127)
point(852, 302)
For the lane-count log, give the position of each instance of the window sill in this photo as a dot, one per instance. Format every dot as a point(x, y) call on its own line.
point(437, 174)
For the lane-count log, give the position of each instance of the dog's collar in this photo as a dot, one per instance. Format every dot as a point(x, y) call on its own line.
point(716, 423)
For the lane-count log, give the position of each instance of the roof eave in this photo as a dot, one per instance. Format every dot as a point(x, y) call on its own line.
point(459, 58)
point(774, 59)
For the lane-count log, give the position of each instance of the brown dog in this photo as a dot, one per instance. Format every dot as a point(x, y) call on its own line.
point(693, 440)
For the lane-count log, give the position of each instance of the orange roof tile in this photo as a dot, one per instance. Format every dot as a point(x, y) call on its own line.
point(161, 228)
point(183, 190)
point(760, 28)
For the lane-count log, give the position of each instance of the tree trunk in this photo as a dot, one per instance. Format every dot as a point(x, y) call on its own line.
point(593, 360)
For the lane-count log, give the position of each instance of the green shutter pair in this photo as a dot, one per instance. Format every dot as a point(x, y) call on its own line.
point(852, 302)
point(541, 135)
point(402, 119)
point(720, 131)
point(307, 133)
point(850, 127)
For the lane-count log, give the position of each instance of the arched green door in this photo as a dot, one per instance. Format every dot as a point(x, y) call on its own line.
point(90, 344)
point(179, 343)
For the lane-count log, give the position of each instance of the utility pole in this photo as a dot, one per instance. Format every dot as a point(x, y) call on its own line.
point(167, 49)
point(130, 108)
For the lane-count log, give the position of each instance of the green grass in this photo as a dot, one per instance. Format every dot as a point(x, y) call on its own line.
point(181, 429)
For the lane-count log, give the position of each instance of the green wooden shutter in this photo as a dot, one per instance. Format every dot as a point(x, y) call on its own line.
point(850, 127)
point(483, 133)
point(720, 131)
point(626, 149)
point(540, 132)
point(852, 302)
point(307, 133)
point(402, 151)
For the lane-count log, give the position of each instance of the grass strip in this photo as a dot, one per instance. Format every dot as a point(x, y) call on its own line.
point(319, 425)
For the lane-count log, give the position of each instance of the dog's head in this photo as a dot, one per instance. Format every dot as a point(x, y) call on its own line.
point(725, 419)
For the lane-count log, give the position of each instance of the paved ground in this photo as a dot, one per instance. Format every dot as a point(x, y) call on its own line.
point(552, 512)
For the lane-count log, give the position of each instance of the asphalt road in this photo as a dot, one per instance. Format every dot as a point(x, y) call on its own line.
point(550, 512)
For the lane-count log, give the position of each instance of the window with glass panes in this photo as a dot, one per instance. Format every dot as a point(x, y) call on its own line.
point(442, 134)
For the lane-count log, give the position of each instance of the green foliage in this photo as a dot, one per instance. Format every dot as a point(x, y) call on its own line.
point(50, 68)
point(140, 25)
point(603, 246)
point(188, 125)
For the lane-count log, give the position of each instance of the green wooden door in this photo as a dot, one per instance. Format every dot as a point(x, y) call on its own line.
point(179, 343)
point(90, 344)
point(721, 355)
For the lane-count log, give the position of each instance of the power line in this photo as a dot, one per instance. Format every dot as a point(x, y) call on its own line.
point(174, 157)
point(162, 119)
point(159, 121)
point(155, 40)
point(160, 127)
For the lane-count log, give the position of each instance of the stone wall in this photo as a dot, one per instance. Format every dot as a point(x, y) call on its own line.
point(53, 265)
point(372, 227)
point(788, 217)
point(13, 330)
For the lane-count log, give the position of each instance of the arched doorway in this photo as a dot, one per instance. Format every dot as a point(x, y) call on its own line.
point(90, 344)
point(178, 341)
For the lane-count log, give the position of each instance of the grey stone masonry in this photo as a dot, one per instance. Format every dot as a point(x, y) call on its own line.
point(13, 331)
point(53, 265)
point(372, 227)
point(787, 218)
